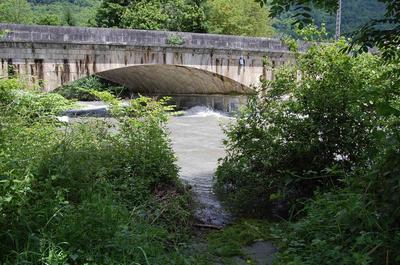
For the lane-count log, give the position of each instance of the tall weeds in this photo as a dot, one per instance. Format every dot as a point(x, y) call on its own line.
point(89, 192)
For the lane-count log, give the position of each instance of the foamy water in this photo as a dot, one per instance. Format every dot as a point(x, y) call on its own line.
point(202, 111)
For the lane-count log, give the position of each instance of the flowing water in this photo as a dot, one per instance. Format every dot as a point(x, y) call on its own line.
point(197, 141)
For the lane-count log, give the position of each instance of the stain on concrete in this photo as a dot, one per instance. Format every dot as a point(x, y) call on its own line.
point(66, 73)
point(94, 64)
point(87, 63)
point(39, 68)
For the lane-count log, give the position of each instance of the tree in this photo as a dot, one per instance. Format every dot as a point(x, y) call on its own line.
point(110, 13)
point(48, 19)
point(185, 15)
point(382, 33)
point(151, 16)
point(15, 11)
point(238, 17)
point(69, 18)
point(175, 15)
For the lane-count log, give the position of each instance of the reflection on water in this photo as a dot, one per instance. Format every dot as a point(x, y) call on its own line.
point(197, 141)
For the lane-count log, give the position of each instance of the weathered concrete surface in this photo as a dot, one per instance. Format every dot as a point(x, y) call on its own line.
point(144, 60)
point(173, 79)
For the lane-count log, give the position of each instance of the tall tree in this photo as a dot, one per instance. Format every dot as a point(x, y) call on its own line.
point(69, 18)
point(176, 15)
point(238, 17)
point(15, 11)
point(144, 15)
point(110, 13)
point(48, 19)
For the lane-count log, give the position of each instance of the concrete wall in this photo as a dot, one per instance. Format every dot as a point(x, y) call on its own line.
point(53, 56)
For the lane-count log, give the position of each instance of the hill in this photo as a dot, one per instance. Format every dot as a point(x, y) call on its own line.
point(65, 12)
point(355, 13)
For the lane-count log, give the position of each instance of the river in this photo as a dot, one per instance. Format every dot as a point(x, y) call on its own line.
point(197, 141)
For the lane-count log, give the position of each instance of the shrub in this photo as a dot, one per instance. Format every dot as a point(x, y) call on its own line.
point(175, 40)
point(356, 225)
point(304, 135)
point(331, 142)
point(80, 89)
point(91, 192)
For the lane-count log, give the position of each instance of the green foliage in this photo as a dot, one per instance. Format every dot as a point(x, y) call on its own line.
point(3, 33)
point(382, 33)
point(238, 18)
point(15, 11)
point(325, 143)
point(64, 13)
point(177, 15)
point(175, 40)
point(305, 135)
point(355, 12)
point(109, 14)
point(230, 241)
point(313, 33)
point(89, 192)
point(69, 17)
point(377, 23)
point(29, 103)
point(357, 225)
point(340, 228)
point(48, 19)
point(144, 15)
point(81, 89)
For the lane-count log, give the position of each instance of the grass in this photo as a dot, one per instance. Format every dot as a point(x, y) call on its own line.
point(230, 241)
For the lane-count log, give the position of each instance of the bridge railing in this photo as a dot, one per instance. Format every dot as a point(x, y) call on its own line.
point(130, 37)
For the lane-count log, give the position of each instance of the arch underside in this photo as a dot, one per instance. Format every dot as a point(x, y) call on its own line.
point(173, 80)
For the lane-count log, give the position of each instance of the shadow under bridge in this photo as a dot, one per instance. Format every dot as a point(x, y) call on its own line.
point(188, 86)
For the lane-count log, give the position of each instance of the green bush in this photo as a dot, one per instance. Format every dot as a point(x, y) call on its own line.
point(306, 134)
point(80, 89)
point(356, 225)
point(326, 145)
point(89, 192)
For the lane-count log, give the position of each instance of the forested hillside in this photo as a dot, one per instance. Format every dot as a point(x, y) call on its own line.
point(65, 12)
point(355, 13)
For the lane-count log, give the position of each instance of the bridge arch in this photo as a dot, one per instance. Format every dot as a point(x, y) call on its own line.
point(163, 79)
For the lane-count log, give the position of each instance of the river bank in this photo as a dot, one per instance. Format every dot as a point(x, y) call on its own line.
point(197, 140)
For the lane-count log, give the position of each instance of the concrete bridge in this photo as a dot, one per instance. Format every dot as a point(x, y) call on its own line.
point(149, 62)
